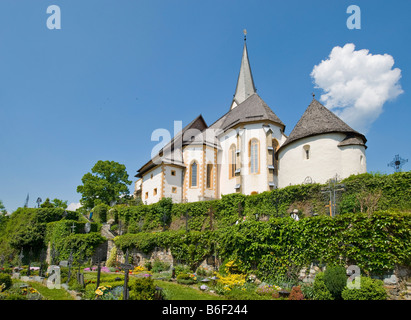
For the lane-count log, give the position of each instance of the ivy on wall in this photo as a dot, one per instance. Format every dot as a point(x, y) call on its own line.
point(376, 244)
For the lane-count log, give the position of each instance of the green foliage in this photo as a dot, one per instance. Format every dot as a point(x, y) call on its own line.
point(320, 289)
point(100, 213)
point(159, 266)
point(395, 188)
point(370, 289)
point(3, 210)
point(47, 204)
point(335, 279)
point(26, 228)
point(142, 289)
point(185, 278)
point(5, 281)
point(57, 203)
point(107, 181)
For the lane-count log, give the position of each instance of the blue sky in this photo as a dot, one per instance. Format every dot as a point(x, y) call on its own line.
point(117, 70)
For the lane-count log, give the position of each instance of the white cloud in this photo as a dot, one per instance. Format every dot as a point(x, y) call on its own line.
point(73, 206)
point(356, 84)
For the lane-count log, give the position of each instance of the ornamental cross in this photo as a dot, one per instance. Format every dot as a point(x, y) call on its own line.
point(332, 189)
point(127, 267)
point(397, 163)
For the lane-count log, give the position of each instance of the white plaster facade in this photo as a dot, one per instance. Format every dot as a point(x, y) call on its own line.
point(333, 149)
point(325, 160)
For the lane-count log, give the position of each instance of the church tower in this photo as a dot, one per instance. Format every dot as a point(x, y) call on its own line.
point(245, 83)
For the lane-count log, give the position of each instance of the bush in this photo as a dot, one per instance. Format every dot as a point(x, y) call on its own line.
point(159, 266)
point(321, 291)
point(5, 280)
point(142, 289)
point(370, 289)
point(335, 278)
point(185, 278)
point(296, 294)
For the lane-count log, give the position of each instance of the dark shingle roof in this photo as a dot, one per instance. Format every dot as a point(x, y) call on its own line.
point(317, 119)
point(252, 109)
point(182, 138)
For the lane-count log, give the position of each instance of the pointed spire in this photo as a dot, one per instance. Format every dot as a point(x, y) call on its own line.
point(245, 83)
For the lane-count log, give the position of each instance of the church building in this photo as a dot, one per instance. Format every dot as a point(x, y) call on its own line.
point(247, 151)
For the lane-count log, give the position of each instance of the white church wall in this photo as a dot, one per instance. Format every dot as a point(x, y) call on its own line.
point(227, 139)
point(354, 156)
point(151, 181)
point(326, 160)
point(173, 183)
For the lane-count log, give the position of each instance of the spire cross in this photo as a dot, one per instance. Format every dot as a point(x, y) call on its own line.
point(245, 34)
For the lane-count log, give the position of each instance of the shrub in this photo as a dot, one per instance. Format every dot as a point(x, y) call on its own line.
point(142, 289)
point(5, 280)
point(335, 278)
point(296, 294)
point(159, 266)
point(308, 291)
point(370, 289)
point(186, 278)
point(321, 291)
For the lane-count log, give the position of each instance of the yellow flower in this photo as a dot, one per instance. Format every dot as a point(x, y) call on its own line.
point(99, 292)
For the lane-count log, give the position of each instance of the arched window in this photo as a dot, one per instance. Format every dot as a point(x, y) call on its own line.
point(193, 174)
point(232, 161)
point(254, 151)
point(306, 153)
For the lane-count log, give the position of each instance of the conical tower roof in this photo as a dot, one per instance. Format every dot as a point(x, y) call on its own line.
point(245, 82)
point(317, 119)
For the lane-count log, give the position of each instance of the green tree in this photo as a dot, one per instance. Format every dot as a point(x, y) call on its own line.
point(57, 203)
point(2, 208)
point(47, 204)
point(106, 182)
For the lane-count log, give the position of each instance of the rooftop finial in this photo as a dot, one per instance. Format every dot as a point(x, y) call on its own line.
point(313, 95)
point(245, 34)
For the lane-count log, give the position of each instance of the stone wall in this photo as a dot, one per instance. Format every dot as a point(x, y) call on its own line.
point(160, 254)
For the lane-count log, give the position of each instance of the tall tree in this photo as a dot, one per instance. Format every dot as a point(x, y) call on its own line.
point(106, 182)
point(58, 203)
point(2, 208)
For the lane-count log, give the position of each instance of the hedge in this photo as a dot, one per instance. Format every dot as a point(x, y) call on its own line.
point(376, 244)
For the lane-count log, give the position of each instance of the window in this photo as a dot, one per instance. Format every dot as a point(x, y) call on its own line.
point(254, 147)
point(151, 177)
point(173, 172)
point(193, 174)
point(361, 160)
point(306, 149)
point(155, 192)
point(209, 176)
point(232, 161)
point(146, 196)
point(174, 189)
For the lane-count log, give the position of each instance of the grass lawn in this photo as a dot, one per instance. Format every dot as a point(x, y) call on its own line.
point(176, 291)
point(50, 294)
